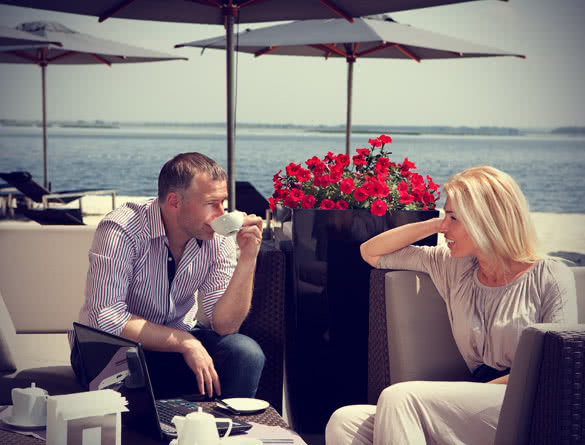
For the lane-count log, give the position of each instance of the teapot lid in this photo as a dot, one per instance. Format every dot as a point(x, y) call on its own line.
point(33, 390)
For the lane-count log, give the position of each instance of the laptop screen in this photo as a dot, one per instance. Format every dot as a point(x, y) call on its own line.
point(112, 362)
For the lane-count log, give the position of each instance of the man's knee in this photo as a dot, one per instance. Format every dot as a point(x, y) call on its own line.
point(239, 348)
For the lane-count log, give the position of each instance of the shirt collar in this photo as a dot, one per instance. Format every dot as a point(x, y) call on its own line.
point(157, 227)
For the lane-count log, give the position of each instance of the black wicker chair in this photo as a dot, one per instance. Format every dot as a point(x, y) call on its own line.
point(545, 395)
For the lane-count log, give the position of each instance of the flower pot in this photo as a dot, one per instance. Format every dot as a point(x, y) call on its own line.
point(327, 306)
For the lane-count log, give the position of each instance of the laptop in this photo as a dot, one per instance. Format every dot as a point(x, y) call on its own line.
point(113, 362)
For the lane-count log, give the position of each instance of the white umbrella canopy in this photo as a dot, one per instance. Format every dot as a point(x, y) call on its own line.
point(225, 12)
point(367, 37)
point(11, 38)
point(65, 46)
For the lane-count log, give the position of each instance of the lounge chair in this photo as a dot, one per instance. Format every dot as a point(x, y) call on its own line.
point(36, 193)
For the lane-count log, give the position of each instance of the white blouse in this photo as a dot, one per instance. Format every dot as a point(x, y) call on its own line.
point(487, 321)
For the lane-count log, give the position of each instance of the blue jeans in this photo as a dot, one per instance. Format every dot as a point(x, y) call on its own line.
point(238, 360)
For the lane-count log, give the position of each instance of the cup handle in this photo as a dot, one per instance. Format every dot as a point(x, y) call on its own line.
point(228, 420)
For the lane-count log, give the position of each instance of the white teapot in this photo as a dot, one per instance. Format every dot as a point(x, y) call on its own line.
point(198, 428)
point(29, 406)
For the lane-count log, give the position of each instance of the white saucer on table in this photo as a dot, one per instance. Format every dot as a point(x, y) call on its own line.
point(8, 419)
point(246, 405)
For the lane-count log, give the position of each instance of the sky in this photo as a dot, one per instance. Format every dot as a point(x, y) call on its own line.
point(545, 90)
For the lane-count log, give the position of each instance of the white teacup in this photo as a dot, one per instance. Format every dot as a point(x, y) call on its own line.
point(29, 406)
point(229, 223)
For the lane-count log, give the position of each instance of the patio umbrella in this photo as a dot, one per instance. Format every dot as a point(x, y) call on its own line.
point(70, 48)
point(367, 37)
point(224, 12)
point(11, 38)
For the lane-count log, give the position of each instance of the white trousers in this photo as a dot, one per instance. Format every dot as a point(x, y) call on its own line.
point(419, 413)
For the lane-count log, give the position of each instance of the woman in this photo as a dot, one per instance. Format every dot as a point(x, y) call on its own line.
point(494, 284)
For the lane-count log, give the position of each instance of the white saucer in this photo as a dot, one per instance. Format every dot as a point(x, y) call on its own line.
point(245, 405)
point(8, 420)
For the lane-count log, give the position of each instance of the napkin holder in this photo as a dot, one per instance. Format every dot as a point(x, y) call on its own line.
point(85, 418)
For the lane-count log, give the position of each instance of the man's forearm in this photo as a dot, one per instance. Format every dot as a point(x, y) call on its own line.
point(233, 307)
point(157, 337)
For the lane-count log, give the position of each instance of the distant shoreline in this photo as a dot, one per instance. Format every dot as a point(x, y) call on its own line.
point(410, 130)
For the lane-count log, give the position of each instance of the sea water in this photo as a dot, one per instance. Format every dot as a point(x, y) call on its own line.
point(548, 168)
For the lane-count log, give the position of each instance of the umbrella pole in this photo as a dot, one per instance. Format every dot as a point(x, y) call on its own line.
point(350, 61)
point(45, 173)
point(231, 168)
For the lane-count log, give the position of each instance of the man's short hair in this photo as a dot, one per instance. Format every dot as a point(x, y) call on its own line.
point(177, 173)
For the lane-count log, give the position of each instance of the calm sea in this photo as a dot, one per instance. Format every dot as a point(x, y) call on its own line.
point(549, 169)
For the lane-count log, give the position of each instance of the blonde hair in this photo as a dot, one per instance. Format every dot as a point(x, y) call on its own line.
point(495, 214)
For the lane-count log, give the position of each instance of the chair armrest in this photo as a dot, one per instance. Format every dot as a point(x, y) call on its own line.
point(411, 317)
point(544, 401)
point(265, 322)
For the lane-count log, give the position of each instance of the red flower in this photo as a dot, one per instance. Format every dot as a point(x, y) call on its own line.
point(379, 207)
point(363, 151)
point(361, 194)
point(406, 164)
point(335, 176)
point(383, 162)
point(406, 199)
point(289, 202)
point(276, 176)
point(341, 204)
point(303, 175)
point(347, 186)
point(308, 202)
point(385, 139)
point(272, 204)
point(402, 187)
point(375, 142)
point(327, 204)
point(343, 160)
point(292, 169)
point(296, 194)
point(359, 160)
point(432, 185)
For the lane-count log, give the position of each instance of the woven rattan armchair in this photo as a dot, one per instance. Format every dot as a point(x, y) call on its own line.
point(265, 324)
point(410, 339)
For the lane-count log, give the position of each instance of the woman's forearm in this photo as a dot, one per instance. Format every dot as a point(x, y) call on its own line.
point(397, 238)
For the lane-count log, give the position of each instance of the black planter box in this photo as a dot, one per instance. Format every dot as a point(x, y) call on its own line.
point(327, 307)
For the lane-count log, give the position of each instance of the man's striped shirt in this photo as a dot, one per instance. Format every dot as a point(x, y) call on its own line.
point(128, 272)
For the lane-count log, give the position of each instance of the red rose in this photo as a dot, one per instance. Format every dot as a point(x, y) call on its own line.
point(308, 202)
point(341, 204)
point(361, 194)
point(379, 207)
point(327, 204)
point(347, 186)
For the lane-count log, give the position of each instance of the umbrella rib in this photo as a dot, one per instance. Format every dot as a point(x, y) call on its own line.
point(266, 50)
point(407, 52)
point(24, 56)
point(337, 10)
point(101, 59)
point(109, 13)
point(376, 48)
point(329, 48)
point(61, 56)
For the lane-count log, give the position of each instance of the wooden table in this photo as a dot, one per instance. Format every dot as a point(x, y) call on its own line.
point(132, 437)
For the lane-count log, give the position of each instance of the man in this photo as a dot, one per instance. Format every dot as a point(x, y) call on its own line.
point(146, 265)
